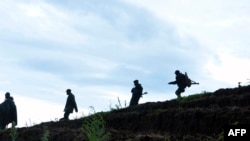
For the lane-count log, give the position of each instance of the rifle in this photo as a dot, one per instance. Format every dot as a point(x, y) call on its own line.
point(193, 82)
point(144, 93)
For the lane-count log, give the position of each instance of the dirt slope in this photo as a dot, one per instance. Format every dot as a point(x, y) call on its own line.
point(193, 118)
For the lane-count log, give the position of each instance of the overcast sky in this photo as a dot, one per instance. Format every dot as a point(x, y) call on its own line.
point(98, 47)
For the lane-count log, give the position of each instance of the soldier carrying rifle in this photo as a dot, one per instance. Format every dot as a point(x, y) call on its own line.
point(137, 93)
point(182, 82)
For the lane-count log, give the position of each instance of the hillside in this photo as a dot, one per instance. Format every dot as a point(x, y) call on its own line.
point(193, 118)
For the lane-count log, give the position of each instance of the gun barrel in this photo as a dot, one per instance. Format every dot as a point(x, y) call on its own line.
point(193, 82)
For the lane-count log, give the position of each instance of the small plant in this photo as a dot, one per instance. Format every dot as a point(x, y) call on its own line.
point(45, 136)
point(28, 124)
point(119, 105)
point(94, 127)
point(13, 132)
point(221, 136)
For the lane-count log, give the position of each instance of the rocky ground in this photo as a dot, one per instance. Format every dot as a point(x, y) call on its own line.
point(194, 118)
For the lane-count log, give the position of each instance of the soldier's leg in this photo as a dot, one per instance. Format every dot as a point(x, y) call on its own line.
point(132, 101)
point(137, 100)
point(66, 115)
point(178, 93)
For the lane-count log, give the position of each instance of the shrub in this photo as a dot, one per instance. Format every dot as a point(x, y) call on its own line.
point(94, 127)
point(13, 132)
point(45, 136)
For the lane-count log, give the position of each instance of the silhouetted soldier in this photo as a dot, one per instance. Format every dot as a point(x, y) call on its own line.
point(239, 84)
point(180, 80)
point(13, 116)
point(9, 112)
point(136, 93)
point(70, 105)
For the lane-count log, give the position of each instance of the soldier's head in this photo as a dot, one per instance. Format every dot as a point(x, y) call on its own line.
point(177, 72)
point(136, 82)
point(7, 95)
point(68, 91)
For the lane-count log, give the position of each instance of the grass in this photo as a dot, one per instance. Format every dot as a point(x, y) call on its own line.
point(94, 127)
point(193, 97)
point(13, 132)
point(45, 136)
point(118, 106)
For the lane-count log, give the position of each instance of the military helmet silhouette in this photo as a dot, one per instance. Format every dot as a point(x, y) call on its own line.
point(136, 81)
point(177, 72)
point(68, 90)
point(7, 95)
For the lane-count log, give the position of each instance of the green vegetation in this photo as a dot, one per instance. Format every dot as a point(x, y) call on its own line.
point(45, 136)
point(30, 123)
point(221, 136)
point(13, 132)
point(94, 127)
point(118, 106)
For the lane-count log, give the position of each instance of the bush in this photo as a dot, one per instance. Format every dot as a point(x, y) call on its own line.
point(94, 127)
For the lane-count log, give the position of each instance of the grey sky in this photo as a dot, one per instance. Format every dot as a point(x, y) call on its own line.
point(97, 48)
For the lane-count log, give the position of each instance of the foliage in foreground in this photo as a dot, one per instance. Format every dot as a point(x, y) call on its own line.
point(94, 127)
point(45, 136)
point(13, 133)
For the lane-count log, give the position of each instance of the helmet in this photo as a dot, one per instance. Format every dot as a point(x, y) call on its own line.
point(136, 81)
point(177, 72)
point(68, 90)
point(7, 95)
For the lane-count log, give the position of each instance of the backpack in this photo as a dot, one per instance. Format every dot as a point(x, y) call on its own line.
point(188, 81)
